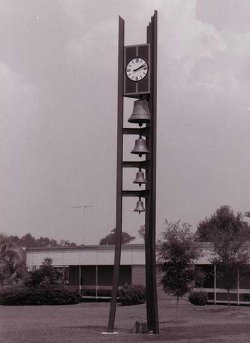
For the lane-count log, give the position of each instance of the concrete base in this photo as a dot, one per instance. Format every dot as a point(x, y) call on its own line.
point(140, 328)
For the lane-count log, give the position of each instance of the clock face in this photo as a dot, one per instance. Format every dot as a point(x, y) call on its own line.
point(137, 69)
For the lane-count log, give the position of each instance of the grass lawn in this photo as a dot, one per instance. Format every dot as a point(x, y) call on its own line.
point(86, 321)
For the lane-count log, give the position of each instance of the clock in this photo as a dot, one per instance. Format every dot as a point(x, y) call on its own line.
point(137, 65)
point(137, 69)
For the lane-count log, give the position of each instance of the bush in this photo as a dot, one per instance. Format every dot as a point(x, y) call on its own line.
point(198, 298)
point(56, 295)
point(46, 276)
point(132, 295)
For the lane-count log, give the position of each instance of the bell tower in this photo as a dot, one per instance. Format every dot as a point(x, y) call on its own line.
point(137, 78)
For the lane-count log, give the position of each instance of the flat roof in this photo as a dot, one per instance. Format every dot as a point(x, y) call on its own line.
point(88, 247)
point(131, 254)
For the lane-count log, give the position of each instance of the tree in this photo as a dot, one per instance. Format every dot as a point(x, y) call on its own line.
point(246, 230)
point(29, 241)
point(110, 238)
point(141, 232)
point(45, 276)
point(67, 243)
point(12, 262)
point(219, 223)
point(177, 253)
point(226, 230)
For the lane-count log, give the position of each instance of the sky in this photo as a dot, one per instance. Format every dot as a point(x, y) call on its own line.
point(58, 102)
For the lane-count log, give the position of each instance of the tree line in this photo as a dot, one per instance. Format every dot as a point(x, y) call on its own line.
point(29, 241)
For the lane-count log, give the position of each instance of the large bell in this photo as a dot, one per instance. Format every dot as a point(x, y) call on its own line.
point(140, 178)
point(139, 206)
point(140, 114)
point(140, 147)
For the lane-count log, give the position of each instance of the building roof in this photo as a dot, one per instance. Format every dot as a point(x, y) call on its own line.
point(87, 247)
point(131, 254)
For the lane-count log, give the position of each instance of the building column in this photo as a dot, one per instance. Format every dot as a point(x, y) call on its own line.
point(238, 287)
point(215, 285)
point(96, 282)
point(80, 276)
point(63, 273)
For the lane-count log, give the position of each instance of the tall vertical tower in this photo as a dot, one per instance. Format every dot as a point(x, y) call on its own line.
point(137, 78)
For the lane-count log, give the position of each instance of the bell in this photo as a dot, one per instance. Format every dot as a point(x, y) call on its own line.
point(140, 113)
point(140, 147)
point(139, 206)
point(140, 178)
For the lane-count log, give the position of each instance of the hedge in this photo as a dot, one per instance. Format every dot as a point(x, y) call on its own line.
point(56, 295)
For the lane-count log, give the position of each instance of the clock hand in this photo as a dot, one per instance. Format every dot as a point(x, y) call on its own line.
point(142, 66)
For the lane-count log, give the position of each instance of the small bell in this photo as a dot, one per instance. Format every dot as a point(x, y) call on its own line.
point(139, 206)
point(140, 114)
point(140, 178)
point(140, 147)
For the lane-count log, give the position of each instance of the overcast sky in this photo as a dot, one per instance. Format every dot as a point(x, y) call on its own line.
point(58, 90)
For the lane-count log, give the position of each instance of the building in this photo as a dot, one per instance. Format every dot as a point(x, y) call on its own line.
point(89, 268)
point(214, 284)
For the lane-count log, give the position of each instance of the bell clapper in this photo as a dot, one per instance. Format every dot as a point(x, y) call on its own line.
point(140, 137)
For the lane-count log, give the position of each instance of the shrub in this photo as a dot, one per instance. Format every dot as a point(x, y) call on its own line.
point(56, 295)
point(45, 276)
point(198, 298)
point(132, 295)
